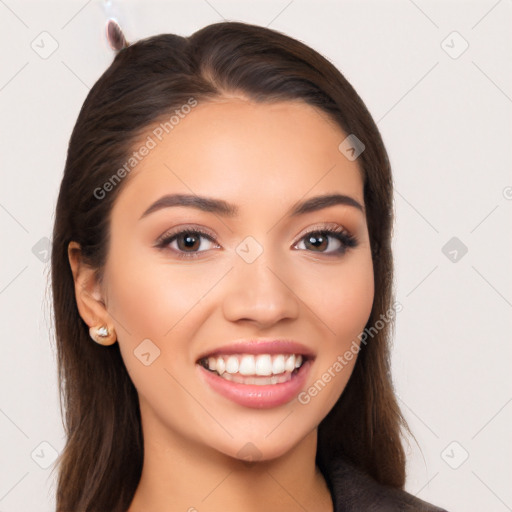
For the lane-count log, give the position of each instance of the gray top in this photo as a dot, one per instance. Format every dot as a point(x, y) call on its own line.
point(352, 490)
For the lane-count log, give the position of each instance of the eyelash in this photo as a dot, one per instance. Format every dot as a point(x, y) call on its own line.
point(347, 240)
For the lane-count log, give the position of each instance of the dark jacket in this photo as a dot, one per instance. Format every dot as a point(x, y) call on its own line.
point(352, 490)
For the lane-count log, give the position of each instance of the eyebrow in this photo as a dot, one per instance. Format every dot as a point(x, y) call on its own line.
point(221, 207)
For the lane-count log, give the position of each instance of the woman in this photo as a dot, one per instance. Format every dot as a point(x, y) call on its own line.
point(222, 285)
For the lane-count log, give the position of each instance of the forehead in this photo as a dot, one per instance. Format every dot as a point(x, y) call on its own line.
point(243, 152)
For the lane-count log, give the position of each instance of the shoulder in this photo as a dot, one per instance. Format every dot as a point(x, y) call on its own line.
point(354, 491)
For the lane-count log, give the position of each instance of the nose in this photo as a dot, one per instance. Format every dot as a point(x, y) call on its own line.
point(261, 292)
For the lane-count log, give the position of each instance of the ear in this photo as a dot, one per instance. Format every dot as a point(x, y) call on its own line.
point(88, 293)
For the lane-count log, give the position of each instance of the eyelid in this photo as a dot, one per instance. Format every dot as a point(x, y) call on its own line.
point(187, 227)
point(321, 227)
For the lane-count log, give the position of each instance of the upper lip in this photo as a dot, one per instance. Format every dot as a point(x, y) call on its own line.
point(260, 346)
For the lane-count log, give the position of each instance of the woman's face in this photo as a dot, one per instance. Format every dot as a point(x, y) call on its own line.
point(256, 275)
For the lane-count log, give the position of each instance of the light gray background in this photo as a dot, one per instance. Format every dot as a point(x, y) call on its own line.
point(446, 121)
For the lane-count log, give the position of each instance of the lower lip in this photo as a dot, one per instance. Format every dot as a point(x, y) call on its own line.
point(258, 397)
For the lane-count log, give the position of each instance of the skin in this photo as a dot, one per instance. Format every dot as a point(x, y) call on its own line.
point(262, 158)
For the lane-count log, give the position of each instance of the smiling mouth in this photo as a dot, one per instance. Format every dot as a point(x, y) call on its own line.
point(261, 369)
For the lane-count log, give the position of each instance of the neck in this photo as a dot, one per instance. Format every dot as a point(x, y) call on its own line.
point(181, 475)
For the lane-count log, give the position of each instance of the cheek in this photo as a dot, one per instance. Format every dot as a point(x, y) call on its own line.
point(343, 299)
point(152, 306)
point(152, 299)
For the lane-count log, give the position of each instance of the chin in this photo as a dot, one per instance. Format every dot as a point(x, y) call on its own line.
point(261, 448)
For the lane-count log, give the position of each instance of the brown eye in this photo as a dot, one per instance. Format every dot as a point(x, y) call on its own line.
point(187, 242)
point(319, 241)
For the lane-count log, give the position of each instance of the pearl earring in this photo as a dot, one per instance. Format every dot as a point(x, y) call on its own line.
point(102, 335)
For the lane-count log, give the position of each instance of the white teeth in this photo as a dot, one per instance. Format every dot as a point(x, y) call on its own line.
point(289, 364)
point(259, 381)
point(247, 365)
point(264, 365)
point(232, 364)
point(278, 365)
point(221, 366)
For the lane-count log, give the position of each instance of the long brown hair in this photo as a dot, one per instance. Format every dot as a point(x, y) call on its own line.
point(100, 466)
